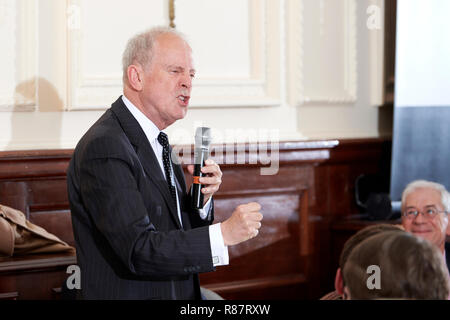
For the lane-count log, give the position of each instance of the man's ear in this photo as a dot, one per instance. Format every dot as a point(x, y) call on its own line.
point(135, 77)
point(346, 295)
point(339, 282)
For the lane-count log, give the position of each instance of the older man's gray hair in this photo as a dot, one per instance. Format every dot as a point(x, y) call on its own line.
point(139, 49)
point(445, 196)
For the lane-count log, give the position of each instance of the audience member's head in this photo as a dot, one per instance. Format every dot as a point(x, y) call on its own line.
point(352, 242)
point(425, 207)
point(395, 265)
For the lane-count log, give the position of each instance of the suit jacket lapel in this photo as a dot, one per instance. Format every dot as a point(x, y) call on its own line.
point(145, 153)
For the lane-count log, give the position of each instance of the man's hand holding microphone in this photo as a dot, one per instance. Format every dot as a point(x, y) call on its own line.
point(245, 221)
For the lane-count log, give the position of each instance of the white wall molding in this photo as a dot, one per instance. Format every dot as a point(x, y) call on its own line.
point(24, 29)
point(295, 51)
point(376, 55)
point(323, 26)
point(260, 88)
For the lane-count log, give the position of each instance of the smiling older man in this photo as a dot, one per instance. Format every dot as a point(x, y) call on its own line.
point(425, 209)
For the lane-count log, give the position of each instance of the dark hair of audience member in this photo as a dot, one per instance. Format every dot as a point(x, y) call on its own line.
point(410, 268)
point(361, 235)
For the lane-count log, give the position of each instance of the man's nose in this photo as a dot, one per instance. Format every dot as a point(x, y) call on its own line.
point(186, 81)
point(420, 218)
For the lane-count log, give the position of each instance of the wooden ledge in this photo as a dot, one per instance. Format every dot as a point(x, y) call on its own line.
point(36, 261)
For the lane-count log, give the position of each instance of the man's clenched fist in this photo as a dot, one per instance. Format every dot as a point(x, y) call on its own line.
point(243, 224)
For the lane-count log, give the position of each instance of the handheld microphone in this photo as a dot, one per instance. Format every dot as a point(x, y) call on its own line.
point(201, 153)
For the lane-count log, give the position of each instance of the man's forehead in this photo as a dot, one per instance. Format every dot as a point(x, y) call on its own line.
point(423, 197)
point(176, 53)
point(171, 42)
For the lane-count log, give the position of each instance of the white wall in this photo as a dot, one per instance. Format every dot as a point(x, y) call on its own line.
point(423, 63)
point(296, 69)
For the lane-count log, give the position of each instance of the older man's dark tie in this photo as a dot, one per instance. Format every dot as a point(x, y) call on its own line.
point(164, 141)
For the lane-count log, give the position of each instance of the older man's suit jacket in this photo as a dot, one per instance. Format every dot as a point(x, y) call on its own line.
point(130, 243)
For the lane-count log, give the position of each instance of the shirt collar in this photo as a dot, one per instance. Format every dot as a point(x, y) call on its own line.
point(150, 129)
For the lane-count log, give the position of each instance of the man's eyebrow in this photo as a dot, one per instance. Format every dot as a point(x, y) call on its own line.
point(427, 206)
point(172, 66)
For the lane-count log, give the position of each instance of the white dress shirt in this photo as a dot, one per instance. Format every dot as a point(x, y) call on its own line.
point(219, 251)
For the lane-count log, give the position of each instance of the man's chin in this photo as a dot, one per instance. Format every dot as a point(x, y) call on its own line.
point(179, 116)
point(182, 113)
point(424, 235)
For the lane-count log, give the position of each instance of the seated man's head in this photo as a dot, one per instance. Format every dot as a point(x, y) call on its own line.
point(352, 242)
point(395, 265)
point(425, 207)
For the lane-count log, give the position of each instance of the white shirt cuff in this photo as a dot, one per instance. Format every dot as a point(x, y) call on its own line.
point(204, 212)
point(219, 250)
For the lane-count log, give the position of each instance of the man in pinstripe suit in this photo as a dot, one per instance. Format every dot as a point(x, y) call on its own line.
point(136, 237)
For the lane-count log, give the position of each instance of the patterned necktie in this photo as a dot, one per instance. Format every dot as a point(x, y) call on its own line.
point(164, 141)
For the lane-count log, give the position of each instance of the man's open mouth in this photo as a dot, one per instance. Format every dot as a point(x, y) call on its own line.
point(184, 99)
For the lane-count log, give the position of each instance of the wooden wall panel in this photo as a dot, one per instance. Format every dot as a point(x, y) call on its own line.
point(277, 257)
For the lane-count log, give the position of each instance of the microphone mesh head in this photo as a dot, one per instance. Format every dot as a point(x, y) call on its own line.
point(203, 137)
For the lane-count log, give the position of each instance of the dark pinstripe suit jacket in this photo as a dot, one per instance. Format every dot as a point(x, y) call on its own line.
point(130, 244)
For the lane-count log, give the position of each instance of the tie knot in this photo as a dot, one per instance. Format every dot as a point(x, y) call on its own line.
point(163, 139)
